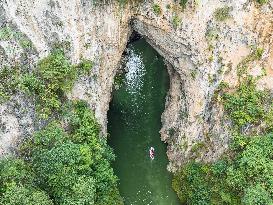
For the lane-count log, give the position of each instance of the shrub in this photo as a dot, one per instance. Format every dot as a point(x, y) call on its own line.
point(183, 3)
point(157, 9)
point(246, 105)
point(9, 80)
point(17, 184)
point(190, 184)
point(73, 167)
point(242, 67)
point(262, 1)
point(257, 195)
point(221, 14)
point(245, 178)
point(259, 53)
point(176, 21)
point(84, 67)
point(6, 33)
point(53, 77)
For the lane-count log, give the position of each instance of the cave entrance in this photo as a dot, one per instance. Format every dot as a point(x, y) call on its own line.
point(134, 122)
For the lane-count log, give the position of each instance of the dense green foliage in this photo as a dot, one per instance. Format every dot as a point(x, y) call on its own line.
point(53, 77)
point(244, 175)
point(69, 166)
point(245, 178)
point(17, 186)
point(67, 162)
point(249, 106)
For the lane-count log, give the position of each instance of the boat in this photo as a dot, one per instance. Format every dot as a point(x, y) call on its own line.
point(152, 153)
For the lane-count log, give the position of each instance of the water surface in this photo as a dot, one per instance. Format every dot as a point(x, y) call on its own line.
point(134, 121)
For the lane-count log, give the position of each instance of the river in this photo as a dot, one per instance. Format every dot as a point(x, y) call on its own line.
point(134, 121)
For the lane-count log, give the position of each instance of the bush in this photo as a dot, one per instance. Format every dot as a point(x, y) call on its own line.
point(222, 14)
point(262, 1)
point(257, 195)
point(245, 175)
point(176, 21)
point(74, 167)
point(190, 184)
point(157, 9)
point(247, 105)
point(53, 77)
point(71, 166)
point(183, 3)
point(9, 80)
point(245, 178)
point(17, 184)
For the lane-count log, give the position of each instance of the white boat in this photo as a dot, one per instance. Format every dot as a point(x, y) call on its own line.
point(152, 153)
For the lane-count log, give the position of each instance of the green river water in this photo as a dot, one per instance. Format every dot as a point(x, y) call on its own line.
point(134, 121)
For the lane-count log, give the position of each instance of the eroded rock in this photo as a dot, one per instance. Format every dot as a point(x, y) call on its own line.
point(200, 53)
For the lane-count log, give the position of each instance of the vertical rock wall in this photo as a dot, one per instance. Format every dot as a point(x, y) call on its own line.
point(199, 50)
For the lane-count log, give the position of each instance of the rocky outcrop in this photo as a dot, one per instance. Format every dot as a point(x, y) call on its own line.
point(201, 53)
point(199, 50)
point(87, 31)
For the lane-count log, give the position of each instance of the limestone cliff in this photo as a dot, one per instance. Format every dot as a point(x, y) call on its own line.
point(200, 52)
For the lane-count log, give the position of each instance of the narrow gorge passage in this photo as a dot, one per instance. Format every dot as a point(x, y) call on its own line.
point(134, 121)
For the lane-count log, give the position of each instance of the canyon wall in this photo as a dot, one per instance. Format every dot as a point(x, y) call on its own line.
point(199, 50)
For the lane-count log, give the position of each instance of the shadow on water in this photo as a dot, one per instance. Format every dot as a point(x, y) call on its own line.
point(134, 121)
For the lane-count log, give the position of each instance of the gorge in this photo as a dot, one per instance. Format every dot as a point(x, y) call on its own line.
point(134, 124)
point(219, 59)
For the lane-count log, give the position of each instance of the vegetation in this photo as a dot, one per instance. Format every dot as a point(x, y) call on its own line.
point(67, 162)
point(7, 33)
point(193, 74)
point(121, 2)
point(244, 174)
point(262, 1)
point(53, 77)
point(247, 105)
point(183, 3)
point(60, 166)
point(157, 9)
point(255, 55)
point(245, 178)
point(17, 184)
point(176, 21)
point(9, 80)
point(118, 80)
point(222, 14)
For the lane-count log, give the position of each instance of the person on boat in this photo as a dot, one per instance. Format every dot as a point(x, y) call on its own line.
point(152, 153)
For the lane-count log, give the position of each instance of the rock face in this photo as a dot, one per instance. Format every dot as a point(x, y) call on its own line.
point(199, 51)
